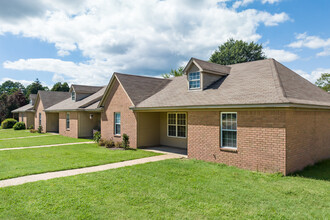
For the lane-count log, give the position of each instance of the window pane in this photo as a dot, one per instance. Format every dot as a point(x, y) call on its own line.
point(181, 131)
point(117, 129)
point(117, 118)
point(229, 130)
point(172, 119)
point(181, 119)
point(171, 130)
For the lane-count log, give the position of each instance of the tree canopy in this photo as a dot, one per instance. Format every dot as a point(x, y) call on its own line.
point(324, 82)
point(61, 87)
point(237, 51)
point(10, 87)
point(174, 73)
point(35, 87)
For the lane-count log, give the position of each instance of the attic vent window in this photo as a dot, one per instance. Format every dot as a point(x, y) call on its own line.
point(194, 80)
point(73, 95)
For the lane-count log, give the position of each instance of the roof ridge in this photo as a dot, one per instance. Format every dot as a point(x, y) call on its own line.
point(278, 79)
point(150, 77)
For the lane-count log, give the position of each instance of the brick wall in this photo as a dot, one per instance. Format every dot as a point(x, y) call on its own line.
point(118, 101)
point(73, 131)
point(260, 139)
point(308, 138)
point(40, 109)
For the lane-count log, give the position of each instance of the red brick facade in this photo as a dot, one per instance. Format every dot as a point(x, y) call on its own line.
point(73, 130)
point(260, 139)
point(118, 101)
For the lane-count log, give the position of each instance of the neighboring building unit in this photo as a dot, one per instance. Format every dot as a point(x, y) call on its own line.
point(26, 112)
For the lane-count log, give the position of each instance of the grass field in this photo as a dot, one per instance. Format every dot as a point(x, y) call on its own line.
point(172, 189)
point(39, 140)
point(11, 133)
point(31, 161)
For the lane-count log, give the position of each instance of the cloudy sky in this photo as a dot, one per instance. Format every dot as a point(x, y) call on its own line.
point(85, 41)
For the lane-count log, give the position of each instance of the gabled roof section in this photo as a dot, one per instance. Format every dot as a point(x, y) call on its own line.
point(137, 88)
point(50, 98)
point(84, 89)
point(208, 67)
point(25, 108)
point(257, 83)
point(89, 103)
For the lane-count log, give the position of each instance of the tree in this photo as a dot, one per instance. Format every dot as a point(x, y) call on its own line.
point(35, 87)
point(4, 113)
point(237, 51)
point(10, 87)
point(174, 73)
point(324, 82)
point(61, 87)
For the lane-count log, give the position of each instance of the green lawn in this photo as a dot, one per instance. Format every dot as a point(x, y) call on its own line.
point(40, 140)
point(172, 189)
point(11, 133)
point(16, 163)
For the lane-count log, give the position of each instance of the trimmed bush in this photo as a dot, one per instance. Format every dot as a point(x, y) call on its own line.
point(101, 142)
point(19, 126)
point(8, 123)
point(31, 127)
point(125, 143)
point(109, 143)
point(33, 131)
point(118, 144)
point(97, 137)
point(40, 129)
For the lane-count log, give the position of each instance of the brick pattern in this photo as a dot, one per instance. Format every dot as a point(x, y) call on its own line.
point(118, 101)
point(40, 109)
point(261, 139)
point(73, 131)
point(308, 138)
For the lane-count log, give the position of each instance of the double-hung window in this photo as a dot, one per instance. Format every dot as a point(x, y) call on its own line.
point(73, 96)
point(39, 119)
point(67, 121)
point(22, 117)
point(194, 80)
point(229, 129)
point(117, 123)
point(177, 124)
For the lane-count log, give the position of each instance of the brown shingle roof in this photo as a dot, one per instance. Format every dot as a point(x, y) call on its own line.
point(89, 103)
point(50, 98)
point(25, 108)
point(86, 89)
point(251, 83)
point(139, 88)
point(209, 67)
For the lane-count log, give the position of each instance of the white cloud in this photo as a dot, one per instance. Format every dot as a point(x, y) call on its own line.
point(24, 82)
point(134, 36)
point(280, 55)
point(244, 3)
point(314, 75)
point(312, 42)
point(270, 1)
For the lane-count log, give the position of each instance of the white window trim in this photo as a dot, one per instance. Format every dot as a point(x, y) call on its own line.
point(221, 146)
point(22, 117)
point(75, 96)
point(114, 130)
point(66, 121)
point(200, 81)
point(176, 124)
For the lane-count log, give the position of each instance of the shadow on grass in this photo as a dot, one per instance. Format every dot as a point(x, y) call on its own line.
point(319, 171)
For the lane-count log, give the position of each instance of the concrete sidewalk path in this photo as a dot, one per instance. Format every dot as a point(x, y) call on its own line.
point(51, 145)
point(64, 173)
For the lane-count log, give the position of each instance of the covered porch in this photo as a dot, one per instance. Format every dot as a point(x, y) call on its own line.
point(167, 130)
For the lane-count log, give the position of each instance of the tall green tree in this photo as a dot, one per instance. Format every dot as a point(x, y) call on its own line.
point(174, 73)
point(61, 87)
point(4, 113)
point(10, 87)
point(237, 51)
point(324, 82)
point(35, 87)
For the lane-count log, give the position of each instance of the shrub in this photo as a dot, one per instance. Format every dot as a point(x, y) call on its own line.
point(109, 143)
point(125, 143)
point(97, 136)
point(101, 142)
point(33, 131)
point(31, 127)
point(8, 123)
point(40, 129)
point(118, 144)
point(19, 126)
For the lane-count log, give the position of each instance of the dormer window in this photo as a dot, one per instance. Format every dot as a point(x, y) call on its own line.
point(73, 95)
point(194, 79)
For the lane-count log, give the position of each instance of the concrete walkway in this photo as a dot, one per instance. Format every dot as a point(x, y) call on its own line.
point(41, 146)
point(46, 135)
point(64, 173)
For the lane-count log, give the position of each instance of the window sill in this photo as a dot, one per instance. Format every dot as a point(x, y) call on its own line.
point(228, 149)
point(117, 135)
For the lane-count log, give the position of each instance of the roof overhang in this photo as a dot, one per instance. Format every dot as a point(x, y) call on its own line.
point(75, 110)
point(279, 105)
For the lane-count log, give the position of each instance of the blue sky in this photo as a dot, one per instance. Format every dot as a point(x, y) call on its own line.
point(85, 41)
